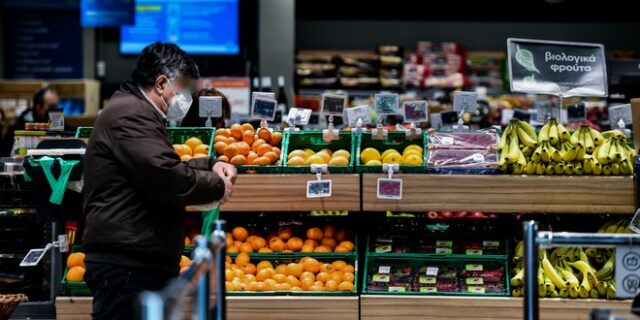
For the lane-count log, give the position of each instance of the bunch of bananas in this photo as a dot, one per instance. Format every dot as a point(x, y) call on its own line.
point(555, 151)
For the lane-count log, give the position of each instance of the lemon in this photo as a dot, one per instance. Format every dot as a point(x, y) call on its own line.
point(315, 159)
point(373, 163)
point(298, 153)
point(413, 147)
point(369, 154)
point(309, 152)
point(393, 158)
point(339, 161)
point(296, 161)
point(341, 153)
point(406, 153)
point(388, 151)
point(329, 152)
point(324, 155)
point(413, 160)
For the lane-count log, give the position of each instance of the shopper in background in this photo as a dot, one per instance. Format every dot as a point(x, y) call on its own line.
point(136, 187)
point(193, 119)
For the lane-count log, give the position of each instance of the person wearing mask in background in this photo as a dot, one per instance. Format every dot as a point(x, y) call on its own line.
point(193, 119)
point(136, 187)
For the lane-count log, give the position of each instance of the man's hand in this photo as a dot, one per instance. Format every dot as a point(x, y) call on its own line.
point(228, 174)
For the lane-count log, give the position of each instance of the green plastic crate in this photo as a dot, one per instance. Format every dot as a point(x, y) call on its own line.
point(396, 140)
point(277, 168)
point(299, 255)
point(448, 256)
point(74, 288)
point(353, 260)
point(312, 139)
point(83, 132)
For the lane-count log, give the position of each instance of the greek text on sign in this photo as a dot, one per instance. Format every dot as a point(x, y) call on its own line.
point(557, 68)
point(627, 271)
point(210, 107)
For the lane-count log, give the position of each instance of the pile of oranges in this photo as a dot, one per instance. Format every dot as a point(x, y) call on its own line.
point(328, 239)
point(75, 266)
point(191, 149)
point(308, 274)
point(242, 145)
point(185, 263)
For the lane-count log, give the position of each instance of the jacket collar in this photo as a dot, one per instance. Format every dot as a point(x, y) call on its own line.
point(129, 87)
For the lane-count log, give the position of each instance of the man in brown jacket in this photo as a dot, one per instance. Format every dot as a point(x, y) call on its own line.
point(136, 187)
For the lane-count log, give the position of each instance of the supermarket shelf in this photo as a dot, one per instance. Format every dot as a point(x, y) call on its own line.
point(277, 192)
point(241, 308)
point(482, 308)
point(504, 193)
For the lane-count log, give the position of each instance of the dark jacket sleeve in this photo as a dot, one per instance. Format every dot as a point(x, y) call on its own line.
point(141, 146)
point(202, 163)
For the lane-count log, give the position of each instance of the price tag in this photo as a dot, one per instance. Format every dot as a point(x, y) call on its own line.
point(397, 289)
point(63, 244)
point(443, 250)
point(627, 273)
point(386, 103)
point(489, 243)
point(448, 141)
point(333, 104)
point(546, 110)
point(264, 108)
point(319, 188)
point(355, 113)
point(476, 289)
point(445, 244)
point(473, 267)
point(381, 278)
point(505, 116)
point(383, 248)
point(435, 120)
point(432, 271)
point(415, 111)
point(56, 119)
point(384, 269)
point(477, 157)
point(33, 257)
point(429, 289)
point(300, 116)
point(427, 280)
point(474, 281)
point(465, 100)
point(389, 189)
point(620, 112)
point(474, 252)
point(210, 107)
point(576, 112)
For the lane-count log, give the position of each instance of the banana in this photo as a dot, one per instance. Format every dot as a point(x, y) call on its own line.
point(601, 286)
point(631, 152)
point(525, 138)
point(502, 162)
point(588, 277)
point(517, 292)
point(558, 168)
point(514, 147)
point(550, 169)
point(568, 169)
point(540, 168)
point(593, 294)
point(527, 151)
point(570, 279)
point(548, 283)
point(575, 137)
point(563, 132)
point(613, 134)
point(573, 292)
point(606, 271)
point(543, 135)
point(517, 168)
point(615, 169)
point(555, 155)
point(519, 252)
point(580, 152)
point(551, 272)
point(530, 168)
point(597, 169)
point(597, 138)
point(553, 133)
point(503, 139)
point(588, 140)
point(603, 153)
point(570, 153)
point(588, 166)
point(518, 279)
point(626, 168)
point(606, 170)
point(577, 169)
point(545, 156)
point(611, 290)
point(564, 293)
point(527, 128)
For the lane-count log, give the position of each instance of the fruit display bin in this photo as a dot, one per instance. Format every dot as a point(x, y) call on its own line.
point(176, 135)
point(312, 139)
point(277, 168)
point(396, 140)
point(73, 288)
point(350, 259)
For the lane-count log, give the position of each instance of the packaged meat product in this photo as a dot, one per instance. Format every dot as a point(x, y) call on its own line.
point(468, 159)
point(484, 140)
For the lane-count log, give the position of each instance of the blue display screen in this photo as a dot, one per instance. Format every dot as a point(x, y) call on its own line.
point(106, 13)
point(197, 26)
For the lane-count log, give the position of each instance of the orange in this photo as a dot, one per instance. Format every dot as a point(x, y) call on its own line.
point(237, 244)
point(279, 277)
point(223, 132)
point(229, 275)
point(282, 269)
point(308, 274)
point(306, 249)
point(306, 283)
point(345, 286)
point(276, 244)
point(256, 144)
point(249, 268)
point(203, 148)
point(341, 249)
point(293, 281)
point(223, 158)
point(186, 157)
point(294, 244)
point(270, 284)
point(326, 267)
point(184, 261)
point(253, 286)
point(319, 284)
point(193, 142)
point(311, 265)
point(75, 274)
point(248, 278)
point(265, 274)
point(314, 234)
point(264, 148)
point(229, 238)
point(272, 156)
point(248, 127)
point(348, 268)
point(287, 251)
point(311, 242)
point(329, 231)
point(259, 243)
point(232, 249)
point(264, 134)
point(265, 250)
point(75, 260)
point(342, 235)
point(347, 244)
point(283, 287)
point(219, 147)
point(348, 276)
point(251, 157)
point(276, 150)
point(200, 155)
point(238, 160)
point(337, 276)
point(323, 277)
point(296, 289)
point(316, 288)
point(227, 259)
point(261, 161)
point(220, 139)
point(231, 140)
point(243, 148)
point(276, 138)
point(284, 233)
point(250, 239)
point(247, 136)
point(295, 269)
point(321, 249)
point(182, 149)
point(238, 273)
point(264, 265)
point(240, 233)
point(329, 243)
point(242, 259)
point(231, 150)
point(331, 286)
point(246, 247)
point(338, 265)
point(236, 131)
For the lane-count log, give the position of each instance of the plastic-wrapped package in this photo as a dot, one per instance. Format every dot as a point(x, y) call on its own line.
point(482, 140)
point(469, 159)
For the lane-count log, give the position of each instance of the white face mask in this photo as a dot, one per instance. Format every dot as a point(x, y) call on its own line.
point(179, 106)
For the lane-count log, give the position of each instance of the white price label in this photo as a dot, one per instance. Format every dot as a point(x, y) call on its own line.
point(389, 189)
point(361, 112)
point(476, 289)
point(464, 100)
point(384, 269)
point(444, 243)
point(386, 103)
point(300, 116)
point(432, 271)
point(620, 112)
point(490, 243)
point(415, 111)
point(477, 157)
point(447, 141)
point(319, 188)
point(505, 116)
point(33, 257)
point(627, 271)
point(546, 110)
point(210, 107)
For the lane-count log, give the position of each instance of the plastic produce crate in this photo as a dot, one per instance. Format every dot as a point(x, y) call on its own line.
point(74, 288)
point(276, 168)
point(446, 247)
point(396, 140)
point(313, 140)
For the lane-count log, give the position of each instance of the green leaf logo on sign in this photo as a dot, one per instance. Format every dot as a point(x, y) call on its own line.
point(524, 57)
